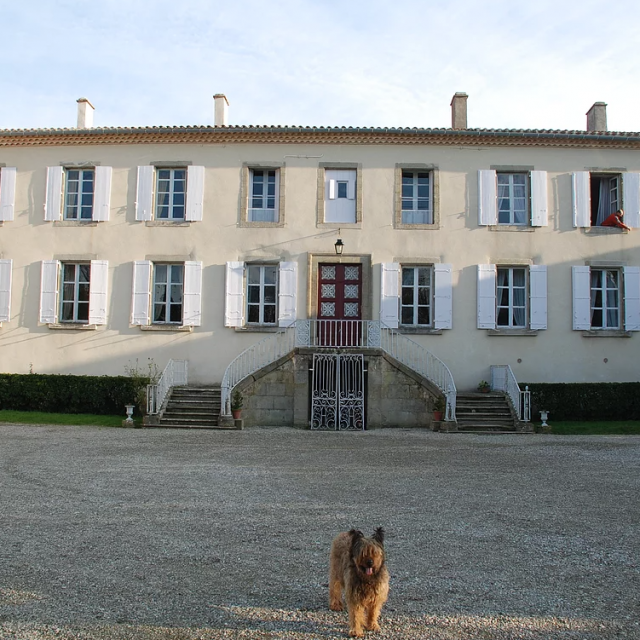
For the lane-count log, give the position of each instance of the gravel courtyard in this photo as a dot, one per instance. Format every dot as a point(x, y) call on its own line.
point(184, 535)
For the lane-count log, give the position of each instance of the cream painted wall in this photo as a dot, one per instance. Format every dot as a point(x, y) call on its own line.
point(557, 354)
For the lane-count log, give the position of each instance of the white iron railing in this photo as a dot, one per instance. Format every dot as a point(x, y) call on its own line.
point(175, 374)
point(253, 359)
point(503, 379)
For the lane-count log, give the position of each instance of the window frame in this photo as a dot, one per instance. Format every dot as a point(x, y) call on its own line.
point(510, 288)
point(604, 307)
point(168, 284)
point(66, 216)
point(325, 170)
point(264, 197)
point(415, 305)
point(170, 217)
point(74, 300)
point(246, 191)
point(260, 287)
point(511, 197)
point(434, 196)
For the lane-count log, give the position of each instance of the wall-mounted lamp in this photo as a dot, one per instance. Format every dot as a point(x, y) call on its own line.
point(339, 245)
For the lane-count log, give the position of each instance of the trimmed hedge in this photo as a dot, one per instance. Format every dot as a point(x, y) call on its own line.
point(585, 401)
point(99, 395)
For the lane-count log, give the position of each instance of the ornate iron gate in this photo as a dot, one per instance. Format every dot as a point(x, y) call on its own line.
point(337, 392)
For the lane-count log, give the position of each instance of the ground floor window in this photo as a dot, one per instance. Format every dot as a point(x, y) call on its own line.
point(74, 301)
point(605, 299)
point(416, 296)
point(168, 291)
point(511, 308)
point(262, 294)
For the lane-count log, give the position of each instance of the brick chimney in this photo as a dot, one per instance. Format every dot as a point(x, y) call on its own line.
point(220, 108)
point(597, 117)
point(85, 114)
point(459, 111)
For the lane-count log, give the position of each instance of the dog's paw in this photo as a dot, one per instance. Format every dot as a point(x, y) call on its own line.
point(335, 606)
point(374, 627)
point(356, 633)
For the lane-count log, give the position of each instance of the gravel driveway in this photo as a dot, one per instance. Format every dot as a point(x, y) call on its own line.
point(149, 534)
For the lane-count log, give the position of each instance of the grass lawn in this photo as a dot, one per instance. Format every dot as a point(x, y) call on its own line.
point(602, 428)
point(37, 417)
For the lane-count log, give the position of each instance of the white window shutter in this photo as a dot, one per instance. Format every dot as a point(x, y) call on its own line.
point(631, 277)
point(53, 202)
point(538, 296)
point(487, 203)
point(351, 186)
point(332, 189)
point(7, 192)
point(144, 193)
point(581, 199)
point(486, 296)
point(287, 293)
point(102, 194)
point(539, 215)
point(390, 294)
point(98, 292)
point(192, 312)
point(141, 300)
point(234, 295)
point(442, 299)
point(49, 291)
point(195, 193)
point(630, 199)
point(581, 288)
point(5, 290)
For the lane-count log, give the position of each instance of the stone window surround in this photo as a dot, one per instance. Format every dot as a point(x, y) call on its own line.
point(245, 188)
point(322, 167)
point(433, 169)
point(313, 263)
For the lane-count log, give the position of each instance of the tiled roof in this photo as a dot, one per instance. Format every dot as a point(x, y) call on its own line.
point(264, 134)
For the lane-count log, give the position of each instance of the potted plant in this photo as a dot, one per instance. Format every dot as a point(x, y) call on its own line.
point(438, 408)
point(484, 386)
point(236, 404)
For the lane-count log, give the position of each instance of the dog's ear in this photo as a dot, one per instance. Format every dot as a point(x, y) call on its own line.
point(355, 534)
point(378, 535)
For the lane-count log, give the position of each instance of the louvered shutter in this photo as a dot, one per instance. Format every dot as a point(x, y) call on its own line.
point(53, 202)
point(5, 290)
point(631, 277)
point(487, 203)
point(539, 216)
point(538, 296)
point(192, 312)
point(141, 298)
point(389, 294)
point(581, 288)
point(102, 194)
point(486, 296)
point(49, 291)
point(144, 193)
point(98, 292)
point(442, 298)
point(234, 295)
point(581, 199)
point(631, 199)
point(287, 293)
point(195, 193)
point(7, 192)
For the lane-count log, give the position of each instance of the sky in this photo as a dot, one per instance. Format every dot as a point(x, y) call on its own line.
point(353, 63)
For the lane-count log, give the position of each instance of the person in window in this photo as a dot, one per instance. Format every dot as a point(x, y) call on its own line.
point(615, 220)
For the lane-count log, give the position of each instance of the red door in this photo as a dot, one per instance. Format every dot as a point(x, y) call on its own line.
point(340, 305)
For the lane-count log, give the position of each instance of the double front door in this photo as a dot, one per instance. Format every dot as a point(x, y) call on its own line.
point(340, 304)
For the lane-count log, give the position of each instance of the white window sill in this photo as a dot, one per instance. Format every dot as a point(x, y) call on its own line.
point(166, 327)
point(72, 326)
point(518, 228)
point(606, 333)
point(427, 331)
point(168, 223)
point(260, 224)
point(418, 226)
point(339, 225)
point(257, 329)
point(603, 231)
point(75, 223)
point(512, 332)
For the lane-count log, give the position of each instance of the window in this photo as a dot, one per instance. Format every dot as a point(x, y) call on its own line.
point(417, 197)
point(512, 298)
point(78, 194)
point(170, 194)
point(171, 191)
point(264, 194)
point(168, 290)
point(605, 299)
point(262, 283)
point(595, 196)
point(340, 202)
point(74, 301)
point(74, 293)
point(167, 294)
point(261, 295)
point(7, 192)
point(512, 198)
point(415, 298)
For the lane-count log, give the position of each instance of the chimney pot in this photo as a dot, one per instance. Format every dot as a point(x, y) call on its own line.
point(597, 117)
point(220, 108)
point(459, 111)
point(85, 114)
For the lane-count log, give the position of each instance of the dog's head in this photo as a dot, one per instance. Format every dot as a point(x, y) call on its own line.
point(367, 554)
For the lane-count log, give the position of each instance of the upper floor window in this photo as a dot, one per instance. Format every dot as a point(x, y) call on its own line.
point(78, 194)
point(417, 197)
point(264, 195)
point(78, 197)
point(171, 192)
point(512, 198)
point(340, 196)
point(7, 192)
point(415, 298)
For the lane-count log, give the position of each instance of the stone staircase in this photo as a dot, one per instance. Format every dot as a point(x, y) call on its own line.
point(191, 408)
point(484, 412)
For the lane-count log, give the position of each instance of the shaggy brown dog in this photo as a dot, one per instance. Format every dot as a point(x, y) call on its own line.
point(357, 565)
